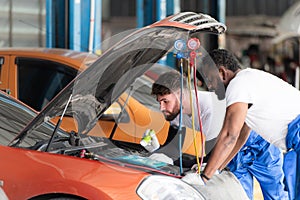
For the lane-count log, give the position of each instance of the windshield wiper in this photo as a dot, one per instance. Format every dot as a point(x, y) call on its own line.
point(58, 124)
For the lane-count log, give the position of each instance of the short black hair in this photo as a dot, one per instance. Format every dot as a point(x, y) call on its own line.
point(167, 83)
point(222, 57)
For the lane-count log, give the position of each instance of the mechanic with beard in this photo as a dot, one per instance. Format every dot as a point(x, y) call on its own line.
point(255, 153)
point(167, 89)
point(255, 100)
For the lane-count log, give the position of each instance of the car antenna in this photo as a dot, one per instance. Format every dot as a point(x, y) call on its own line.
point(58, 123)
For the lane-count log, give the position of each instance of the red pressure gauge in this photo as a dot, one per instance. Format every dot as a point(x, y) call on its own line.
point(193, 44)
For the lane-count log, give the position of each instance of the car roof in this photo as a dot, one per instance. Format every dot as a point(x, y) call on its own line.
point(67, 56)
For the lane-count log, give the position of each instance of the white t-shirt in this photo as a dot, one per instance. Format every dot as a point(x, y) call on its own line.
point(212, 112)
point(275, 103)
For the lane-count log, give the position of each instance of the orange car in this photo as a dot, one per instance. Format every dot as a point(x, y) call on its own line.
point(46, 161)
point(36, 75)
point(54, 176)
point(55, 69)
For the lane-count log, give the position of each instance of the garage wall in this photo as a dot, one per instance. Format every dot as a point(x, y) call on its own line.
point(258, 7)
point(22, 23)
point(233, 7)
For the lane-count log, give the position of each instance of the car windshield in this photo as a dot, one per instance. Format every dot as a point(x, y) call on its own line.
point(103, 113)
point(14, 116)
point(143, 86)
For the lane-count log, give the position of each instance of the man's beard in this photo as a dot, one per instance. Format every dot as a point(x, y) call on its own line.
point(170, 116)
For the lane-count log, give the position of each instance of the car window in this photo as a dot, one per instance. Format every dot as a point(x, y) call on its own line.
point(143, 86)
point(142, 93)
point(40, 80)
point(116, 113)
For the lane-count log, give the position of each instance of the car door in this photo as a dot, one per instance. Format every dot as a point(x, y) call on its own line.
point(4, 69)
point(35, 81)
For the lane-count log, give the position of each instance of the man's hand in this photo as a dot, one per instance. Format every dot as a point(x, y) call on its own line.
point(228, 136)
point(150, 141)
point(161, 157)
point(195, 168)
point(193, 178)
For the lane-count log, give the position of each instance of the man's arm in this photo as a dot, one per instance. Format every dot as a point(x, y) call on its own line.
point(245, 132)
point(229, 134)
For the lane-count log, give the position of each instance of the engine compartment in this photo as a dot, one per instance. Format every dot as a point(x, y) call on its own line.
point(105, 150)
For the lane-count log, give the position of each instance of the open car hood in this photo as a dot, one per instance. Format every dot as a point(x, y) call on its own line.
point(96, 88)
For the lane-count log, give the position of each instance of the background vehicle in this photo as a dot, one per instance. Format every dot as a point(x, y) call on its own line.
point(36, 75)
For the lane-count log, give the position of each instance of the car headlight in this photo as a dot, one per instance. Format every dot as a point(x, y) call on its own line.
point(163, 187)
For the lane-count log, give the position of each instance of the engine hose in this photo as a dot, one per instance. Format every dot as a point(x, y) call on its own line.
point(193, 119)
point(199, 116)
point(180, 119)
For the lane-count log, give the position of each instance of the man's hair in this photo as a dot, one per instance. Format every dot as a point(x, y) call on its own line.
point(222, 57)
point(167, 83)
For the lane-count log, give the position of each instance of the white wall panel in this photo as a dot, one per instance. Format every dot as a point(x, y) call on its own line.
point(23, 23)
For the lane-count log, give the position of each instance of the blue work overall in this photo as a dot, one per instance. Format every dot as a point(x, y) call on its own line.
point(261, 160)
point(292, 159)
